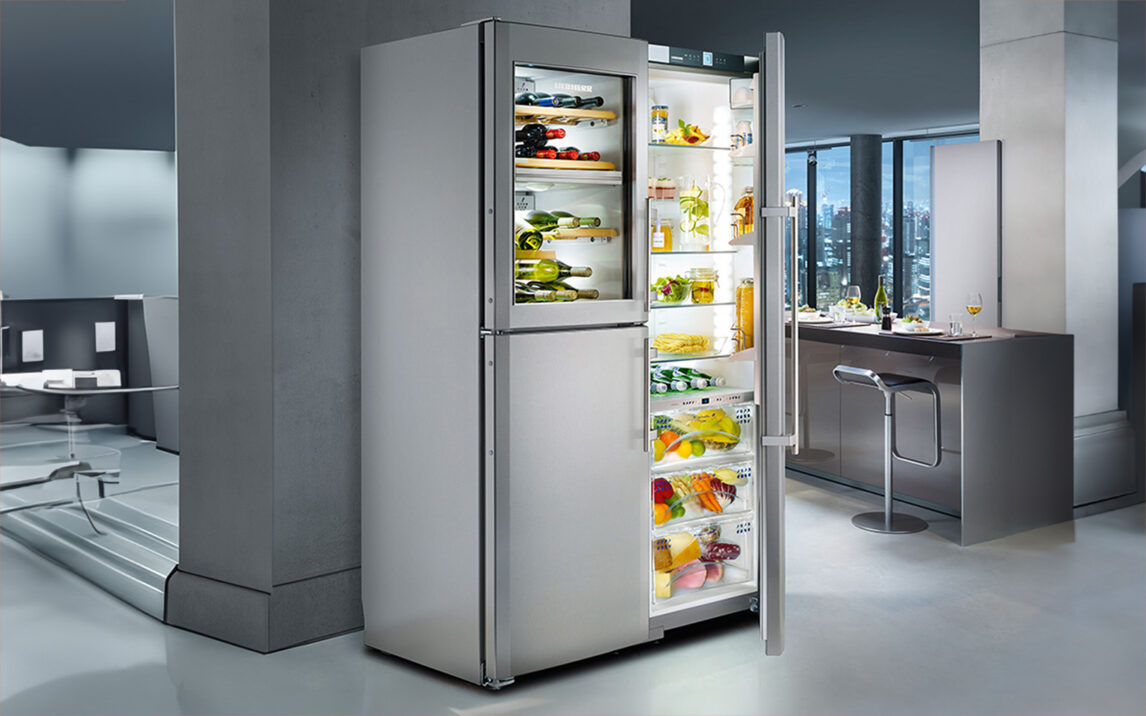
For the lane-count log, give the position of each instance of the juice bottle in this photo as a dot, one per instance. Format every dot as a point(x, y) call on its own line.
point(743, 329)
point(743, 211)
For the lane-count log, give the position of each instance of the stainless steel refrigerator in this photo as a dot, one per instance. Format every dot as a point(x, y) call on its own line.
point(509, 443)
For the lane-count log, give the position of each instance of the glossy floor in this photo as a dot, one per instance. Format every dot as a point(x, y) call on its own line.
point(1052, 621)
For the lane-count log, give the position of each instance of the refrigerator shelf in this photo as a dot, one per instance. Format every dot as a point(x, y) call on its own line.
point(745, 105)
point(558, 115)
point(691, 147)
point(572, 164)
point(693, 253)
point(681, 357)
point(658, 305)
point(536, 179)
point(706, 397)
point(734, 499)
point(705, 462)
point(714, 556)
point(561, 234)
point(701, 597)
point(746, 239)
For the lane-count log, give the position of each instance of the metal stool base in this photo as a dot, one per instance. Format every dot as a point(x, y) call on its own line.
point(901, 524)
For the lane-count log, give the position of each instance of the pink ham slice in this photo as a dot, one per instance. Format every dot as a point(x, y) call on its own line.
point(691, 575)
point(713, 573)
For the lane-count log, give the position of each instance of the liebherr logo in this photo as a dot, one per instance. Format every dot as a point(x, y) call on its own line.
point(572, 87)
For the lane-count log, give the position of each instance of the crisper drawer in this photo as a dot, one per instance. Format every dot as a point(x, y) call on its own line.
point(708, 561)
point(685, 439)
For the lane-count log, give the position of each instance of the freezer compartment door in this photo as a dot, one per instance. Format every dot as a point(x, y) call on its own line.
point(774, 365)
point(571, 495)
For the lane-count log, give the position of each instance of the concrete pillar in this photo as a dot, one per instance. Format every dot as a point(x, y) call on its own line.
point(267, 103)
point(1048, 90)
point(866, 184)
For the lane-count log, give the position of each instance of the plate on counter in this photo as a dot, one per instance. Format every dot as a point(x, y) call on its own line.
point(901, 331)
point(815, 318)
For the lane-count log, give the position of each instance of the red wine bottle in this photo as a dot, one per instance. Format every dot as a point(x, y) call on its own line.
point(590, 156)
point(568, 153)
point(535, 135)
point(525, 151)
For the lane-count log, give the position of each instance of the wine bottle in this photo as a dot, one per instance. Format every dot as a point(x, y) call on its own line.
point(583, 102)
point(544, 221)
point(525, 237)
point(880, 299)
point(564, 100)
point(527, 152)
point(535, 135)
point(546, 270)
point(524, 294)
point(534, 99)
point(588, 293)
point(590, 156)
point(560, 294)
point(592, 221)
point(570, 153)
point(703, 376)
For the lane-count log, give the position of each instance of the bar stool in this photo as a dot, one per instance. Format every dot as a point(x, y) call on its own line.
point(891, 384)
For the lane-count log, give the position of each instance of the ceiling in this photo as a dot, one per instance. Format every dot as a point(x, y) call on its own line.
point(100, 73)
point(88, 73)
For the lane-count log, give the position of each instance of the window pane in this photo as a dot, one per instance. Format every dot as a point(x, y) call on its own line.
point(917, 222)
point(796, 186)
point(887, 250)
point(833, 224)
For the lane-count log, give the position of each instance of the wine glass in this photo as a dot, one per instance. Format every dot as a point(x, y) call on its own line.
point(852, 297)
point(974, 305)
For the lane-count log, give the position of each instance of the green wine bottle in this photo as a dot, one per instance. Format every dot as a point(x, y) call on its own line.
point(524, 294)
point(582, 221)
point(880, 300)
point(547, 270)
point(673, 385)
point(693, 373)
point(525, 237)
point(544, 221)
point(589, 293)
point(559, 294)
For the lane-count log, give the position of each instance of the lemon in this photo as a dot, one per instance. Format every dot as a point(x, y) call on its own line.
point(658, 450)
point(684, 449)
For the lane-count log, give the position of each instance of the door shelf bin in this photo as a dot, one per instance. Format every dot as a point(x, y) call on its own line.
point(681, 498)
point(709, 557)
point(704, 434)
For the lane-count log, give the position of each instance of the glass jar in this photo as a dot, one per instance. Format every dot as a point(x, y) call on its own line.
point(702, 284)
point(743, 213)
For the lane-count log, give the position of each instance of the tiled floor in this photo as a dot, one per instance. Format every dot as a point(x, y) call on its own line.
point(1052, 621)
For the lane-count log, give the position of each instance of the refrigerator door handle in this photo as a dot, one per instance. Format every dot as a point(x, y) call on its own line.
point(645, 428)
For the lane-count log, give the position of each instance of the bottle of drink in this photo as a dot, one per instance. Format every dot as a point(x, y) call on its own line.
point(586, 102)
point(592, 221)
point(590, 156)
point(589, 293)
point(544, 221)
point(673, 385)
point(527, 152)
point(564, 100)
point(525, 237)
point(745, 327)
point(559, 294)
point(546, 270)
point(571, 153)
point(678, 375)
point(535, 135)
point(535, 99)
point(701, 376)
point(657, 388)
point(523, 294)
point(880, 299)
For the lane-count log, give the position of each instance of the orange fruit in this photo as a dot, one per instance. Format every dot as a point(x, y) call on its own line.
point(668, 437)
point(661, 513)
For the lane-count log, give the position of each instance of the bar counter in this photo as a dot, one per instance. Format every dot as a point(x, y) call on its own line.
point(1006, 412)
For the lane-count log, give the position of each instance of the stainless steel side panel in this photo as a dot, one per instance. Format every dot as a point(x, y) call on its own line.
point(421, 359)
point(770, 363)
point(570, 456)
point(819, 395)
point(587, 52)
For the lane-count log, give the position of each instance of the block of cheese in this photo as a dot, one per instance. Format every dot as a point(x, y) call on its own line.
point(662, 584)
point(673, 551)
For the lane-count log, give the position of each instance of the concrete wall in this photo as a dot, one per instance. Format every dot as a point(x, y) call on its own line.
point(93, 222)
point(268, 140)
point(1048, 90)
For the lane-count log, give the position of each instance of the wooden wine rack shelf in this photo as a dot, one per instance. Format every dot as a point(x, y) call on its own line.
point(558, 115)
point(579, 233)
point(563, 164)
point(538, 254)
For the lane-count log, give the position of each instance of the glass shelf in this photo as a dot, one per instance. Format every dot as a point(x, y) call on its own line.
point(692, 147)
point(680, 358)
point(692, 253)
point(657, 305)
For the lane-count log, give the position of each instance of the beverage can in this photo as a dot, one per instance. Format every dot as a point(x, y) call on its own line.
point(660, 122)
point(745, 322)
